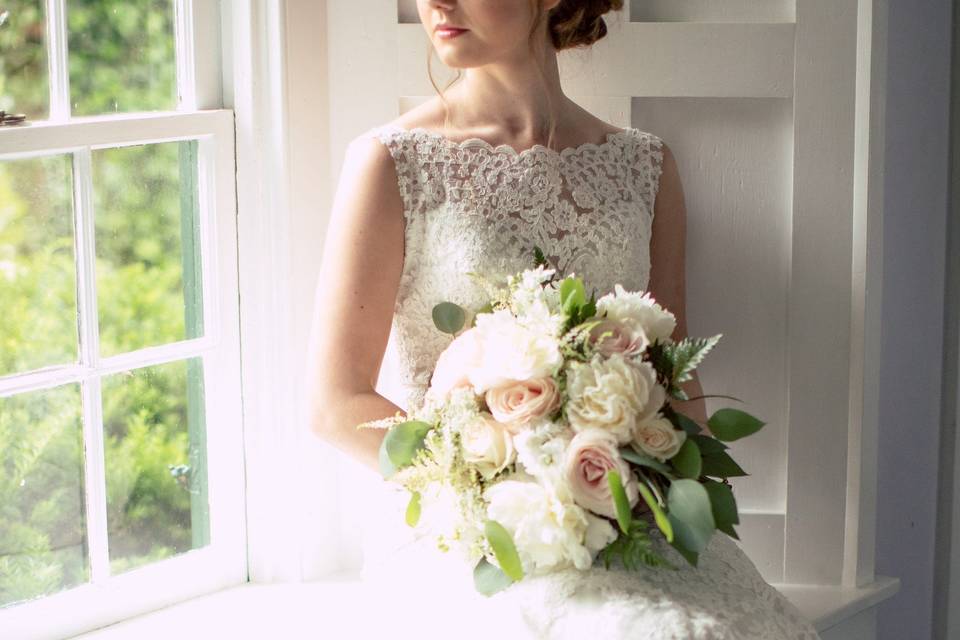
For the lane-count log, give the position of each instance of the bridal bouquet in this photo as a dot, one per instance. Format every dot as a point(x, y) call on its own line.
point(546, 439)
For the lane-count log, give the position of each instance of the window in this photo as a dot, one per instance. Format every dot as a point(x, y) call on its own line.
point(120, 431)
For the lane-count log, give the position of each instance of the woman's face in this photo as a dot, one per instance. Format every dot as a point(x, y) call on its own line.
point(493, 29)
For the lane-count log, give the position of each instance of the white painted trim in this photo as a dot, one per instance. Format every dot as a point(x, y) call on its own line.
point(762, 53)
point(45, 138)
point(58, 68)
point(819, 344)
point(271, 431)
point(867, 274)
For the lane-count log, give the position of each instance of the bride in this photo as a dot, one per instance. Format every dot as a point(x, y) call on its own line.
point(470, 181)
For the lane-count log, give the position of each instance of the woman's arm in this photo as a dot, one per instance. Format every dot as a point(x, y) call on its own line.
point(668, 269)
point(353, 306)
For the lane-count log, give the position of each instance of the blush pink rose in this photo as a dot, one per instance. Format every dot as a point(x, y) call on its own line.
point(455, 362)
point(592, 453)
point(620, 338)
point(518, 402)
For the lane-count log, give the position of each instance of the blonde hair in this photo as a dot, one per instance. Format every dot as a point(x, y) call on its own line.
point(570, 24)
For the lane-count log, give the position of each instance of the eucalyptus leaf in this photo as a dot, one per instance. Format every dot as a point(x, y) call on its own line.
point(687, 460)
point(413, 509)
point(449, 317)
point(687, 424)
point(721, 465)
point(504, 549)
point(488, 578)
point(643, 460)
point(387, 468)
point(620, 500)
point(663, 522)
point(690, 556)
point(709, 445)
point(731, 424)
point(691, 514)
point(404, 440)
point(724, 506)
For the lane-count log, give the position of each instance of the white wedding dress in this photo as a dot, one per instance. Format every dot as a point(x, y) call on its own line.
point(470, 206)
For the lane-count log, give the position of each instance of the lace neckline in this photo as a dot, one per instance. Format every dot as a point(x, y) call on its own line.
point(480, 143)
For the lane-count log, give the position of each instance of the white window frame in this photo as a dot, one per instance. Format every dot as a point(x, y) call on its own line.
point(222, 563)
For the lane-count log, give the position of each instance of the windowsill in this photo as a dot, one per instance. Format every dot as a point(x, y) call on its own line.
point(322, 609)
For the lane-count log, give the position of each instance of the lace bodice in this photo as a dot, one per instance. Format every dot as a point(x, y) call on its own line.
point(470, 206)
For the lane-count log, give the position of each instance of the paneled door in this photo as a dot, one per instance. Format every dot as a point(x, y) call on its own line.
point(770, 108)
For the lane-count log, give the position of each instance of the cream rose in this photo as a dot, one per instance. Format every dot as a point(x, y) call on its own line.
point(591, 454)
point(613, 336)
point(455, 362)
point(657, 437)
point(610, 393)
point(517, 403)
point(639, 310)
point(511, 351)
point(487, 445)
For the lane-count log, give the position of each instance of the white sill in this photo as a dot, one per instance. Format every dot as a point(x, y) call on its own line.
point(331, 608)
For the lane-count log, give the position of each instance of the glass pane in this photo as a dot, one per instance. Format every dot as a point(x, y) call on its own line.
point(154, 442)
point(43, 545)
point(38, 300)
point(23, 58)
point(121, 56)
point(148, 262)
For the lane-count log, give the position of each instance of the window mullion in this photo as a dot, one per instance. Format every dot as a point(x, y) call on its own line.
point(58, 67)
point(94, 471)
point(186, 60)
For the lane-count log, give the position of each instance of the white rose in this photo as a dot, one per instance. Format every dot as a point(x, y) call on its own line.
point(657, 437)
point(487, 444)
point(591, 454)
point(511, 351)
point(610, 393)
point(640, 310)
point(548, 531)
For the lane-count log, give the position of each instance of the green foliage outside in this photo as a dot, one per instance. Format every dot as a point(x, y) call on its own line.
point(121, 58)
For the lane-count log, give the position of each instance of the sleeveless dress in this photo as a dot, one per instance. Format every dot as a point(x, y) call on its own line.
point(471, 206)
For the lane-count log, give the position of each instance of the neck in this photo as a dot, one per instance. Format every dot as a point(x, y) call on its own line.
point(511, 96)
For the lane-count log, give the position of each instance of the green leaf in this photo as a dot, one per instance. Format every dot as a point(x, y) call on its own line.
point(690, 514)
point(572, 294)
point(732, 424)
point(690, 556)
point(404, 440)
point(488, 578)
point(387, 468)
point(724, 506)
point(449, 317)
point(721, 465)
point(538, 257)
point(635, 548)
point(708, 445)
point(503, 548)
point(663, 522)
point(620, 500)
point(685, 355)
point(687, 460)
point(413, 509)
point(688, 425)
point(642, 459)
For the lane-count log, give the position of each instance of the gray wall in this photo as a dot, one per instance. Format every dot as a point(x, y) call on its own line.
point(913, 294)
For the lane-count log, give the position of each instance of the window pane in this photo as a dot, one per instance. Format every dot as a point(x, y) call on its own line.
point(121, 56)
point(155, 463)
point(148, 267)
point(23, 58)
point(43, 546)
point(38, 302)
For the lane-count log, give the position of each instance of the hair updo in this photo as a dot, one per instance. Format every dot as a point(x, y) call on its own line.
point(579, 23)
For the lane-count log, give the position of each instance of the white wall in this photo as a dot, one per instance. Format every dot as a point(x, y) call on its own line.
point(914, 252)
